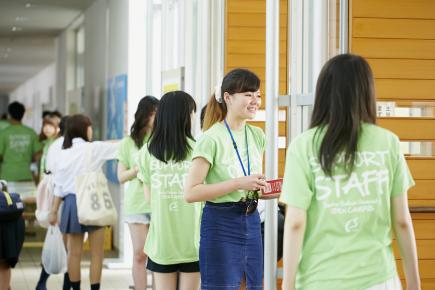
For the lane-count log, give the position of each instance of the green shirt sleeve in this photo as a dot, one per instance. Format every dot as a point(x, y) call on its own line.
point(123, 153)
point(144, 164)
point(2, 144)
point(297, 189)
point(205, 148)
point(402, 178)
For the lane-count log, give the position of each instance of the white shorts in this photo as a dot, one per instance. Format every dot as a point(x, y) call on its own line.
point(391, 284)
point(141, 218)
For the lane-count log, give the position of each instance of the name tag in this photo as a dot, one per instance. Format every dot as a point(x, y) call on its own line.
point(273, 186)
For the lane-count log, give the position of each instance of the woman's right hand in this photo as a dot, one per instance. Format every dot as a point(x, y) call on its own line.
point(251, 182)
point(52, 218)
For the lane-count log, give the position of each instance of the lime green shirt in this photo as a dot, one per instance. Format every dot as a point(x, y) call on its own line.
point(215, 146)
point(18, 143)
point(134, 199)
point(173, 236)
point(46, 145)
point(348, 236)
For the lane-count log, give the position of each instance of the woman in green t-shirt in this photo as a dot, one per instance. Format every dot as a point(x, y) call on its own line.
point(345, 186)
point(226, 172)
point(136, 208)
point(172, 242)
point(49, 133)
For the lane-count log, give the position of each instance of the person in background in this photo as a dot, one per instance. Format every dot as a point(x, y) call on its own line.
point(4, 123)
point(19, 146)
point(345, 187)
point(50, 164)
point(172, 242)
point(49, 133)
point(136, 208)
point(74, 163)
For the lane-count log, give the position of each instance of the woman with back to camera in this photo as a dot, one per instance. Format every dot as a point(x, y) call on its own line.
point(226, 173)
point(136, 208)
point(345, 186)
point(172, 242)
point(75, 162)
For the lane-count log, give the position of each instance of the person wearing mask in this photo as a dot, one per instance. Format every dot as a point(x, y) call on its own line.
point(172, 242)
point(77, 146)
point(345, 187)
point(226, 173)
point(136, 208)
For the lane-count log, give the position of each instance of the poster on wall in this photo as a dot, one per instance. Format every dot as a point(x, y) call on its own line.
point(173, 80)
point(116, 118)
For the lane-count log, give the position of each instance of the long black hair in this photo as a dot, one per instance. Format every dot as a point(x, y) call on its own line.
point(172, 127)
point(238, 80)
point(345, 98)
point(146, 107)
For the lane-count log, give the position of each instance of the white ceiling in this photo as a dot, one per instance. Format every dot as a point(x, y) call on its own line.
point(27, 32)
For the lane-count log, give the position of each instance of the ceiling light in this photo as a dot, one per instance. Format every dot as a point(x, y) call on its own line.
point(16, 28)
point(28, 5)
point(20, 19)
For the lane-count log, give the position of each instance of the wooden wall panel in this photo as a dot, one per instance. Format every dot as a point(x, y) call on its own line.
point(410, 129)
point(393, 28)
point(405, 9)
point(405, 89)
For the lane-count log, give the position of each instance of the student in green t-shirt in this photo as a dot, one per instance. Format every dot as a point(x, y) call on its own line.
point(226, 173)
point(345, 186)
point(4, 123)
point(172, 242)
point(19, 146)
point(136, 208)
point(49, 133)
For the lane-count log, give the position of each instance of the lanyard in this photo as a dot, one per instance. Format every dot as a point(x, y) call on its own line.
point(237, 150)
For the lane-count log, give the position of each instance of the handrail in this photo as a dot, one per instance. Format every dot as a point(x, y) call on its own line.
point(422, 209)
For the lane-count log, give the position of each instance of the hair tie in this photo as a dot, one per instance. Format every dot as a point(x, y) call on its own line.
point(217, 93)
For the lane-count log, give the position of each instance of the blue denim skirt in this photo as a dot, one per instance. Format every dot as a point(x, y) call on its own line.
point(230, 247)
point(69, 220)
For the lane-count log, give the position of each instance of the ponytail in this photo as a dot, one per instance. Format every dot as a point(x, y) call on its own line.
point(214, 113)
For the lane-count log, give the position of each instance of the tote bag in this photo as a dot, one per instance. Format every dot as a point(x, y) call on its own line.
point(44, 200)
point(95, 206)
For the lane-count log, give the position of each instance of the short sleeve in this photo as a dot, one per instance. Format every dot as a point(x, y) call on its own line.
point(402, 178)
point(205, 148)
point(297, 190)
point(144, 164)
point(123, 153)
point(37, 146)
point(2, 144)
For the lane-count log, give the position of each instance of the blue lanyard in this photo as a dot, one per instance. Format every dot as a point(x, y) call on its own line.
point(237, 150)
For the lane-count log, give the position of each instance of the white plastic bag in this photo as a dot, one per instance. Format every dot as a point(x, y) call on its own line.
point(44, 200)
point(54, 257)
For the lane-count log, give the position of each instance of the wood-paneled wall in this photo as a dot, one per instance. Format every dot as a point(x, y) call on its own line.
point(398, 39)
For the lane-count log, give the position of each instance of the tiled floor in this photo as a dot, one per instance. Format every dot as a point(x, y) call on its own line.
point(26, 274)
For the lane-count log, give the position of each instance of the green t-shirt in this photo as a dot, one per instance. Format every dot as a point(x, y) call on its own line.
point(216, 146)
point(348, 236)
point(18, 143)
point(173, 236)
point(46, 145)
point(134, 199)
point(4, 124)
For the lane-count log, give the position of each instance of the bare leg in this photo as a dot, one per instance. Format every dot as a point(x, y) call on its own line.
point(5, 276)
point(138, 233)
point(189, 281)
point(96, 241)
point(75, 248)
point(243, 283)
point(165, 281)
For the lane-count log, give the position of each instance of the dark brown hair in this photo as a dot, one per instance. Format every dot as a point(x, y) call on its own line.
point(345, 98)
point(146, 107)
point(76, 127)
point(238, 80)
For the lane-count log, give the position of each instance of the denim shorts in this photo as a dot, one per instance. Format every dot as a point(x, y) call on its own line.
point(230, 247)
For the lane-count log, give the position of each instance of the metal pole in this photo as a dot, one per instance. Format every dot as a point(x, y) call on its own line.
point(344, 26)
point(272, 93)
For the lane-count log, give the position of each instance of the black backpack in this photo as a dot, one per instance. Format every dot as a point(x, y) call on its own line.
point(11, 206)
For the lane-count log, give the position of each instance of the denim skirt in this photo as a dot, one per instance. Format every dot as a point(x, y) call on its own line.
point(230, 247)
point(69, 219)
